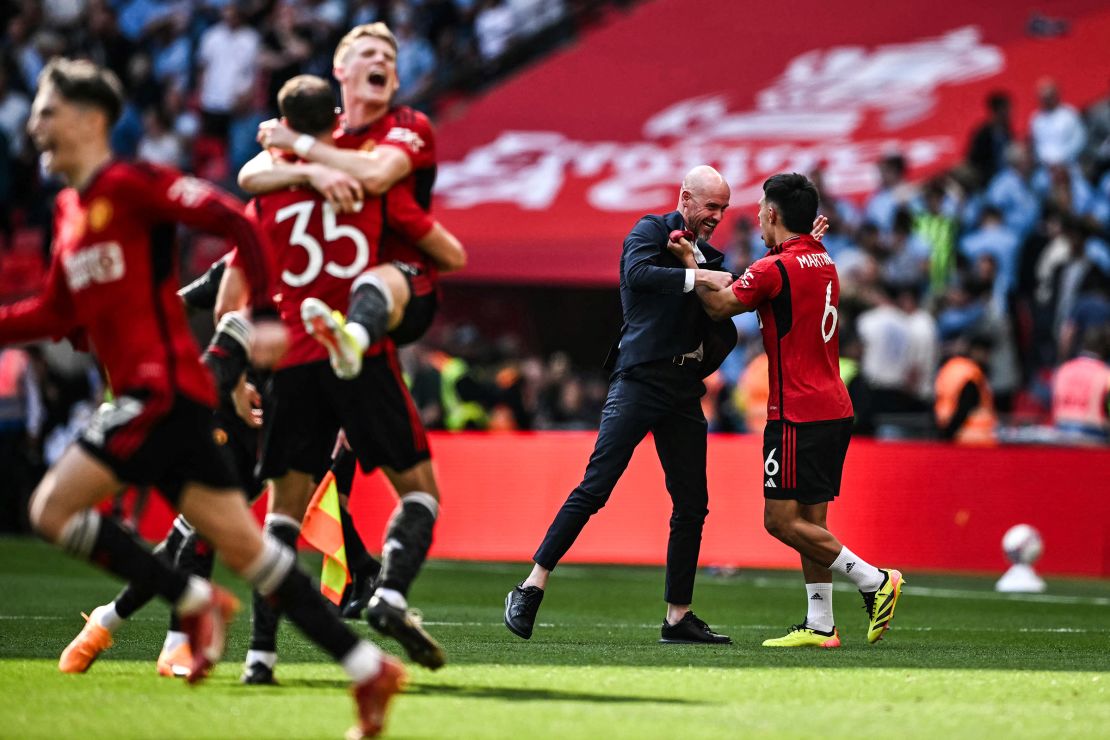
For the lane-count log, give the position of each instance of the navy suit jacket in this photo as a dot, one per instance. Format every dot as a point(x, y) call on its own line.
point(660, 321)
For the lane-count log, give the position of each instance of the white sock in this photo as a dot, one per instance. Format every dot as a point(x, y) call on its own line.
point(197, 595)
point(265, 657)
point(363, 662)
point(866, 576)
point(174, 640)
point(358, 333)
point(107, 617)
point(820, 614)
point(392, 597)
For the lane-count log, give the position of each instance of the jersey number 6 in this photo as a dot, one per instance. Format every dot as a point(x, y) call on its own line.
point(830, 312)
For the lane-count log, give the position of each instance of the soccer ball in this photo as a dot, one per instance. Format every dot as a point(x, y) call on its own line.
point(1022, 544)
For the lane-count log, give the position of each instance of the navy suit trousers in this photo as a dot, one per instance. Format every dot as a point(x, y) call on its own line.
point(664, 399)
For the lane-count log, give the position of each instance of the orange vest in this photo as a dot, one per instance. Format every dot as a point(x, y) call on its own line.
point(1079, 394)
point(752, 393)
point(979, 427)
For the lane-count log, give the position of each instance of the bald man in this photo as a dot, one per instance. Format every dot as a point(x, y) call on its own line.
point(667, 345)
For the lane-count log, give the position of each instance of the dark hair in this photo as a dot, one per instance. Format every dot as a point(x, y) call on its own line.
point(795, 198)
point(308, 104)
point(998, 101)
point(84, 83)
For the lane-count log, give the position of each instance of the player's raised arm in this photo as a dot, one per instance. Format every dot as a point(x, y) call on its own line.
point(48, 314)
point(267, 174)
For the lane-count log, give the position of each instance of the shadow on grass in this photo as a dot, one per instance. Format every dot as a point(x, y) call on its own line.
point(531, 694)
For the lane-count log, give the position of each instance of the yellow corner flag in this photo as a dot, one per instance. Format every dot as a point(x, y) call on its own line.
point(322, 529)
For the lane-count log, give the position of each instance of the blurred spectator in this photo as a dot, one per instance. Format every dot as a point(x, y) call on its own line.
point(1055, 128)
point(416, 63)
point(494, 28)
point(938, 230)
point(227, 62)
point(965, 405)
point(160, 143)
point(1081, 390)
point(899, 351)
point(993, 237)
point(987, 149)
point(743, 246)
point(1011, 191)
point(21, 426)
point(286, 46)
point(1098, 138)
point(906, 262)
point(893, 193)
point(534, 16)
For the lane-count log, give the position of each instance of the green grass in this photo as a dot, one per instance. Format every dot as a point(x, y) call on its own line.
point(960, 662)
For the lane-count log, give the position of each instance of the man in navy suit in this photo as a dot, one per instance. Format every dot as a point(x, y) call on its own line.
point(667, 345)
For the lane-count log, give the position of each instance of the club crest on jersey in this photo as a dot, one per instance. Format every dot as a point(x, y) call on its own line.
point(99, 263)
point(100, 213)
point(405, 136)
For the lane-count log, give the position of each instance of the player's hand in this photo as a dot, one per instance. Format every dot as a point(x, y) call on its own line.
point(342, 191)
point(269, 340)
point(713, 279)
point(273, 134)
point(820, 226)
point(248, 403)
point(681, 246)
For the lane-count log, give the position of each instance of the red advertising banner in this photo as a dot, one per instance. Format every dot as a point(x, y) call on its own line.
point(544, 176)
point(911, 506)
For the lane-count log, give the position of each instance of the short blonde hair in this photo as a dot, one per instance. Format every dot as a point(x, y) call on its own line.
point(367, 30)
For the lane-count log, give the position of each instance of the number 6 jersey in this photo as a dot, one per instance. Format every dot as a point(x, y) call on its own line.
point(318, 252)
point(795, 289)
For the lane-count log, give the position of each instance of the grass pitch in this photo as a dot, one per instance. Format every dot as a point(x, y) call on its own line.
point(960, 661)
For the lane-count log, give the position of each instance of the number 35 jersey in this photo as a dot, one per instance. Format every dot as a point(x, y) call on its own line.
point(319, 253)
point(796, 291)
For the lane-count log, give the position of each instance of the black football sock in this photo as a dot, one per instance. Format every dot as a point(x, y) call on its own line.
point(370, 305)
point(362, 563)
point(265, 614)
point(195, 556)
point(276, 576)
point(133, 598)
point(407, 539)
point(105, 543)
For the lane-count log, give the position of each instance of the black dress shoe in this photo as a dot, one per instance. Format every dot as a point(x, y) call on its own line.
point(258, 674)
point(356, 597)
point(691, 630)
point(521, 607)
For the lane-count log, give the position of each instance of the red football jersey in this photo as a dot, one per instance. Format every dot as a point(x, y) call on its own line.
point(318, 252)
point(796, 291)
point(410, 131)
point(113, 276)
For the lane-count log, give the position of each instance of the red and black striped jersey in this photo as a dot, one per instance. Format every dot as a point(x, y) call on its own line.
point(796, 291)
point(113, 276)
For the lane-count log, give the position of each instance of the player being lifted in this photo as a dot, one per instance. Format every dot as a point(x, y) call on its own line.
point(377, 150)
point(309, 402)
point(109, 279)
point(796, 291)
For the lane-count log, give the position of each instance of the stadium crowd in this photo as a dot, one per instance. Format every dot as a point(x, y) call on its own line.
point(1006, 256)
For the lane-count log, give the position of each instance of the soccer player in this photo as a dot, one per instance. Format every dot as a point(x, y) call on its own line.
point(796, 292)
point(309, 401)
point(237, 432)
point(377, 149)
point(111, 279)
